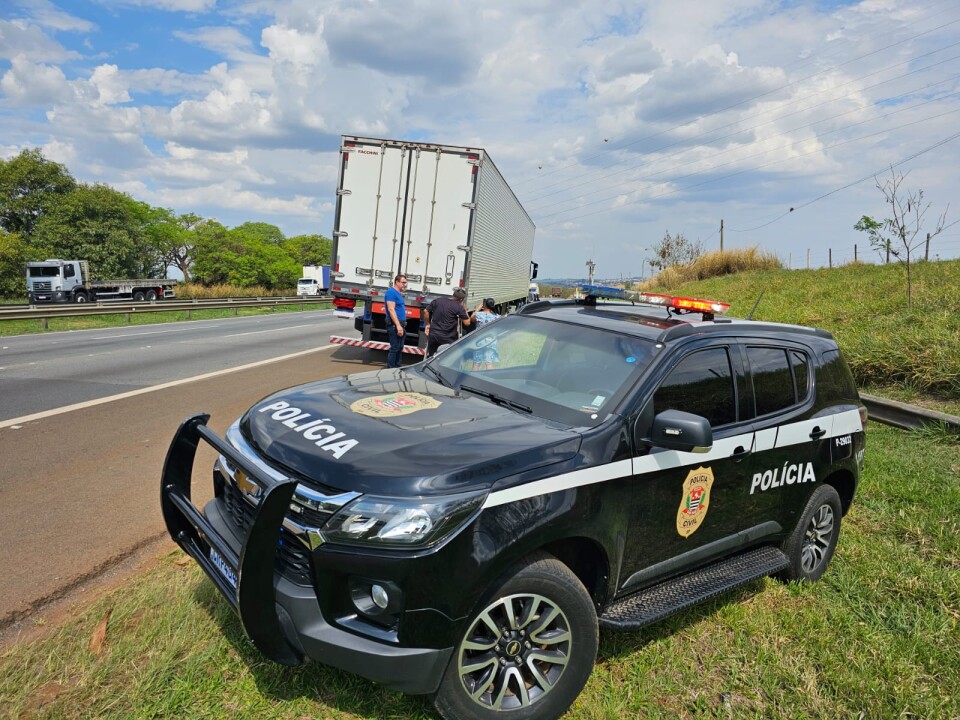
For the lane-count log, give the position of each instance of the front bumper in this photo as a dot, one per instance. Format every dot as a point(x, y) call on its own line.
point(282, 619)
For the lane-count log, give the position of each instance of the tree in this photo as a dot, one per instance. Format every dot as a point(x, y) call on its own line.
point(309, 249)
point(242, 256)
point(102, 225)
point(262, 231)
point(14, 253)
point(29, 184)
point(900, 235)
point(173, 237)
point(675, 250)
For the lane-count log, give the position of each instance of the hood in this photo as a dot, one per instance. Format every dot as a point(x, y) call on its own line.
point(398, 433)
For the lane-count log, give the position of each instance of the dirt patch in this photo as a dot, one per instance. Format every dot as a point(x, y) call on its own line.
point(47, 617)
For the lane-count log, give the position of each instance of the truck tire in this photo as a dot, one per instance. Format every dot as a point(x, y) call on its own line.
point(151, 295)
point(80, 297)
point(527, 653)
point(138, 296)
point(811, 544)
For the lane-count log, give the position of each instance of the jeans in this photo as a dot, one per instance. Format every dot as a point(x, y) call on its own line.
point(396, 347)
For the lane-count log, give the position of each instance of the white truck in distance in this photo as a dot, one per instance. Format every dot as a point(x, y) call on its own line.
point(315, 280)
point(59, 281)
point(443, 215)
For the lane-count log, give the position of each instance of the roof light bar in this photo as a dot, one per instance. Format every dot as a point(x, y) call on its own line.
point(685, 304)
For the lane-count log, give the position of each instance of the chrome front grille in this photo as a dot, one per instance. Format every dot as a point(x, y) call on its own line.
point(309, 510)
point(293, 557)
point(44, 286)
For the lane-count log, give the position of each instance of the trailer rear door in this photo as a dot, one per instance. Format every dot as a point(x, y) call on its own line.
point(404, 207)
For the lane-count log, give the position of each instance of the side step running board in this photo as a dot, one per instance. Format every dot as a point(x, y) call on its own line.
point(657, 602)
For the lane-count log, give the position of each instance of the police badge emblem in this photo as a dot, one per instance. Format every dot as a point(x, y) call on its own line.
point(695, 501)
point(401, 403)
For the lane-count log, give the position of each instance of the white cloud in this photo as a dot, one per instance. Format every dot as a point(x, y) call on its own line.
point(21, 39)
point(48, 15)
point(190, 6)
point(28, 84)
point(611, 120)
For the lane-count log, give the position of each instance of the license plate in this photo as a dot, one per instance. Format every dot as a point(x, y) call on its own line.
point(225, 570)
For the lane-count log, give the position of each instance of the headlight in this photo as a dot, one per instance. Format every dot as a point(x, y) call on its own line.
point(401, 522)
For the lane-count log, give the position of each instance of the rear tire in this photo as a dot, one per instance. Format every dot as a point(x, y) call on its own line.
point(138, 296)
point(527, 652)
point(151, 295)
point(812, 543)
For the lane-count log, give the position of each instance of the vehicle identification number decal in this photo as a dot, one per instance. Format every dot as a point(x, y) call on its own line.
point(394, 404)
point(695, 501)
point(317, 431)
point(786, 475)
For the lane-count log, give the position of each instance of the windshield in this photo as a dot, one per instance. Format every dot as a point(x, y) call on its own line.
point(44, 271)
point(306, 281)
point(570, 373)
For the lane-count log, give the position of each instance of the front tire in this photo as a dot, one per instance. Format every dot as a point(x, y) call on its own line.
point(812, 543)
point(529, 650)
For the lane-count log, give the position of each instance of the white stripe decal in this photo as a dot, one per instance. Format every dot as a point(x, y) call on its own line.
point(797, 433)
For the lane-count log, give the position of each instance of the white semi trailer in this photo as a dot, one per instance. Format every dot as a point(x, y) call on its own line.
point(441, 214)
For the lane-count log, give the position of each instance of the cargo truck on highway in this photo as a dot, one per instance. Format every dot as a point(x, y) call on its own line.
point(442, 215)
point(315, 280)
point(60, 281)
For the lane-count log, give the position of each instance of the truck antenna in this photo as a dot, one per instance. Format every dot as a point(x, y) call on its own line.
point(754, 308)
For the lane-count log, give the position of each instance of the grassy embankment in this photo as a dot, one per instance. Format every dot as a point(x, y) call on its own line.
point(875, 639)
point(909, 354)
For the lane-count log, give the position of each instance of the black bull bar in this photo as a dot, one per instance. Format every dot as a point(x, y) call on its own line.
point(253, 598)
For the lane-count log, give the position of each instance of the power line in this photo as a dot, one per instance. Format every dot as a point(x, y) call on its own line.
point(621, 146)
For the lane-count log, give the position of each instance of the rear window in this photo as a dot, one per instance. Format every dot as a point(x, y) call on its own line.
point(780, 378)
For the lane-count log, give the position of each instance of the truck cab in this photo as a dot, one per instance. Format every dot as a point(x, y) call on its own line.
point(55, 280)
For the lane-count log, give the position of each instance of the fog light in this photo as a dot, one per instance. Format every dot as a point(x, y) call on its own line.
point(379, 596)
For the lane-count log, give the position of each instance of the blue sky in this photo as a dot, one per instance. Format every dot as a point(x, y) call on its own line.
point(614, 121)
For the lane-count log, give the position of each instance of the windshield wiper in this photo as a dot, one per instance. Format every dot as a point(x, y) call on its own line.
point(497, 399)
point(436, 374)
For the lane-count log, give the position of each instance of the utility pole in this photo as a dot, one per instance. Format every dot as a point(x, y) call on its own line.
point(721, 234)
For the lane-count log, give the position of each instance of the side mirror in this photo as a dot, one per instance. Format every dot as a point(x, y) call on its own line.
point(683, 431)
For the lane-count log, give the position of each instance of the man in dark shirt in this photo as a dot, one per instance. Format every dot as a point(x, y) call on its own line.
point(440, 320)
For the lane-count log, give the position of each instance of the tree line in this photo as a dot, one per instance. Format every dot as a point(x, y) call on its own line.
point(45, 213)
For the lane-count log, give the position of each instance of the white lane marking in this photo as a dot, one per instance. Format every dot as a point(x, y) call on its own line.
point(155, 332)
point(153, 388)
point(257, 332)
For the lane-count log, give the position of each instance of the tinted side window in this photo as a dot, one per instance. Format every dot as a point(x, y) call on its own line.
point(702, 383)
point(773, 384)
point(68, 271)
point(800, 373)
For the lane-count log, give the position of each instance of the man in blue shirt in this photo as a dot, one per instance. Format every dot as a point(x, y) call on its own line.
point(396, 319)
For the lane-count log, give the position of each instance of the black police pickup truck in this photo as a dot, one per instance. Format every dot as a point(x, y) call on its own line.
point(464, 526)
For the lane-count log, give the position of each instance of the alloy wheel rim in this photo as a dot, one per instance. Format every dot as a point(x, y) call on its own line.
point(817, 540)
point(515, 652)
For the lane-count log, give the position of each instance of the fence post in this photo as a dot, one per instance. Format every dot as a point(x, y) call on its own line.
point(830, 257)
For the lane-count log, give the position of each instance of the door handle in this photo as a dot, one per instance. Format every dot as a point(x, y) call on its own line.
point(817, 433)
point(739, 453)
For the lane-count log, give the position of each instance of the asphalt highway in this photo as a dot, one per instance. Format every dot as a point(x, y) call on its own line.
point(79, 483)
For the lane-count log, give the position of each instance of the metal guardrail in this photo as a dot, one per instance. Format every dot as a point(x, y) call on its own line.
point(46, 312)
point(908, 417)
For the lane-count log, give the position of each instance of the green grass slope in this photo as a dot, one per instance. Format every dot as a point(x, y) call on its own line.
point(865, 307)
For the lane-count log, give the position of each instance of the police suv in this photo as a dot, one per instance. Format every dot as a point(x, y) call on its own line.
point(464, 527)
